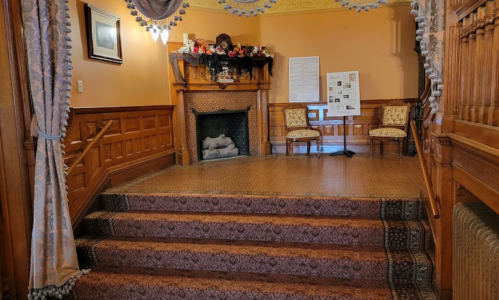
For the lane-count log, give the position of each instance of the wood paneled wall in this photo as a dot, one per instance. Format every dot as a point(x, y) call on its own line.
point(139, 140)
point(357, 129)
point(461, 140)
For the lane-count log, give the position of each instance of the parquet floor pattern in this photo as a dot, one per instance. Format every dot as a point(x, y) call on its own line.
point(360, 176)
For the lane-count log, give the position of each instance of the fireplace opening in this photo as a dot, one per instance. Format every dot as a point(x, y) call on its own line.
point(222, 134)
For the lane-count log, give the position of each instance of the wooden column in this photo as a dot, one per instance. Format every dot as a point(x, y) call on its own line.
point(470, 75)
point(463, 71)
point(488, 110)
point(15, 195)
point(494, 90)
point(263, 122)
point(181, 148)
point(479, 65)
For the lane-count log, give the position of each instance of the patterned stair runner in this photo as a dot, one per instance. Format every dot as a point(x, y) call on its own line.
point(188, 246)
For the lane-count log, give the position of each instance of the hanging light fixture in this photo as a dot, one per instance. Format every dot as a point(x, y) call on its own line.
point(158, 16)
point(247, 8)
point(361, 5)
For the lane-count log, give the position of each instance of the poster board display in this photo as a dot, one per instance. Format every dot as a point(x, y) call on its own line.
point(304, 79)
point(343, 94)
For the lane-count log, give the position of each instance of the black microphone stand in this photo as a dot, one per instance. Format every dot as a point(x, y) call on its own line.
point(345, 151)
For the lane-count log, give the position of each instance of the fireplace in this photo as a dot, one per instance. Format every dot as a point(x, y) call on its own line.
point(228, 126)
point(215, 102)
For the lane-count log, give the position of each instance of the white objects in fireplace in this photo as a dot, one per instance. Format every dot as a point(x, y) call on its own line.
point(219, 147)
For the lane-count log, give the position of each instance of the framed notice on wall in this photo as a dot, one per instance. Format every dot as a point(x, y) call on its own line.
point(304, 79)
point(343, 94)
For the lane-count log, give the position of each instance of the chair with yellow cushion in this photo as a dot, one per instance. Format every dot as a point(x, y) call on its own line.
point(298, 128)
point(394, 120)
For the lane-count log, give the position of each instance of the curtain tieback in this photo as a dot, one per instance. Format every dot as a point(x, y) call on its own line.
point(48, 137)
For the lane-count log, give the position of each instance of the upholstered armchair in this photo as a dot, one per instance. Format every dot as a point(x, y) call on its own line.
point(298, 128)
point(393, 127)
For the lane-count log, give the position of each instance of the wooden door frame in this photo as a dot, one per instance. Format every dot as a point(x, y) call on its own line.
point(16, 150)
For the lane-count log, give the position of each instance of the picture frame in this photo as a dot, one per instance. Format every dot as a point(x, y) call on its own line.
point(103, 35)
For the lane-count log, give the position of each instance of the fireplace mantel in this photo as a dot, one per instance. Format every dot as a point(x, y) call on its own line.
point(196, 85)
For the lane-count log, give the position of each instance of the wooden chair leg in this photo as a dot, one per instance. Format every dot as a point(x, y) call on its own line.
point(401, 147)
point(291, 149)
point(308, 148)
point(372, 147)
point(287, 147)
point(381, 150)
point(318, 147)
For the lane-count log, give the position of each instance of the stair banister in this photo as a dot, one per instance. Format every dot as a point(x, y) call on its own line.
point(435, 211)
point(87, 149)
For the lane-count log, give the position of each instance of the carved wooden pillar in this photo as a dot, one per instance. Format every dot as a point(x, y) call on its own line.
point(487, 60)
point(495, 68)
point(470, 75)
point(479, 65)
point(263, 122)
point(444, 183)
point(15, 193)
point(463, 71)
point(182, 154)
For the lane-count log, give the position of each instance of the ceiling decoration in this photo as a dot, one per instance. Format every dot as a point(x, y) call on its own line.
point(158, 16)
point(247, 8)
point(294, 6)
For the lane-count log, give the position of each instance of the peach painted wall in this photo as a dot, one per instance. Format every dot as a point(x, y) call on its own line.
point(142, 79)
point(379, 44)
point(208, 24)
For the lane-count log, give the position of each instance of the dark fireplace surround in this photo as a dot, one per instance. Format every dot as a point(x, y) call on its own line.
point(231, 123)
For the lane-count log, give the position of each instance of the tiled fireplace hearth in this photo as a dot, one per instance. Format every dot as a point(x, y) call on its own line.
point(211, 104)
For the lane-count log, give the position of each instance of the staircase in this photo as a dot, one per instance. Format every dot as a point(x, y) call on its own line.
point(188, 246)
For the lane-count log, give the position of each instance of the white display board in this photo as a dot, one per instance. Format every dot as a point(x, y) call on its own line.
point(304, 79)
point(343, 94)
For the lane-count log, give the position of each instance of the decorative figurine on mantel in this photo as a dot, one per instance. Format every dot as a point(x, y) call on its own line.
point(224, 42)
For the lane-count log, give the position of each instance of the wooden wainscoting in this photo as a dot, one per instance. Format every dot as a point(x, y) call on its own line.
point(140, 140)
point(357, 128)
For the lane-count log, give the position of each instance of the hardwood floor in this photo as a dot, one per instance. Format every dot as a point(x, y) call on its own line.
point(385, 176)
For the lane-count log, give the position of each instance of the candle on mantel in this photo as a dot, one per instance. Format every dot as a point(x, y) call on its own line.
point(186, 38)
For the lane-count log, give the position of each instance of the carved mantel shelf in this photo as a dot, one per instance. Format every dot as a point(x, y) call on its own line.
point(194, 82)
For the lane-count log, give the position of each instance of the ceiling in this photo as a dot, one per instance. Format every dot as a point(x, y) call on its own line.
point(288, 6)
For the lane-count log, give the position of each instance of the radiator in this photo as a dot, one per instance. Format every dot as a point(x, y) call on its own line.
point(476, 252)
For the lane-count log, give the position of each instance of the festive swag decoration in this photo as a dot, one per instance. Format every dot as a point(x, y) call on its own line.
point(216, 55)
point(430, 34)
point(361, 5)
point(247, 8)
point(158, 16)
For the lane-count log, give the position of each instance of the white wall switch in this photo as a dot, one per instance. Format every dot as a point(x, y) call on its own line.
point(80, 86)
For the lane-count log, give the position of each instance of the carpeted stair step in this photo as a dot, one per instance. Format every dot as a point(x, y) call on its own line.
point(113, 283)
point(348, 262)
point(300, 229)
point(388, 209)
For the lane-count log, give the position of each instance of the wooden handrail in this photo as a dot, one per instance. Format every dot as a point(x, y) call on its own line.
point(87, 149)
point(433, 201)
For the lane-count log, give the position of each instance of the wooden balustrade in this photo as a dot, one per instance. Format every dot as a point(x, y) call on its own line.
point(478, 54)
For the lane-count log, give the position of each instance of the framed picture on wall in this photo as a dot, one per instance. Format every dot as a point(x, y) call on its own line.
point(103, 35)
